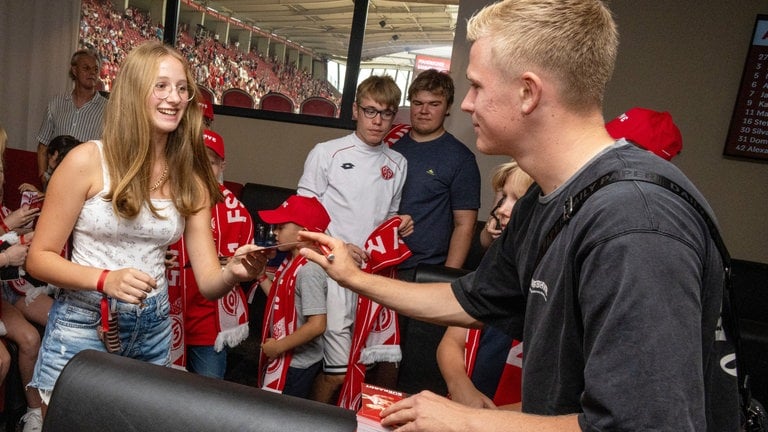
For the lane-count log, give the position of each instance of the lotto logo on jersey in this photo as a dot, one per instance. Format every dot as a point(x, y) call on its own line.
point(387, 173)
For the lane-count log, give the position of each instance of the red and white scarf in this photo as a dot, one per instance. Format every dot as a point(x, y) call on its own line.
point(232, 227)
point(398, 131)
point(509, 389)
point(279, 321)
point(376, 337)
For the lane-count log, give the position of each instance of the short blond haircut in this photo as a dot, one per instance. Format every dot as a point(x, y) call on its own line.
point(574, 40)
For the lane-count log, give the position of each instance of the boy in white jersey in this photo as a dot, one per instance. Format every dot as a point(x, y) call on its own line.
point(359, 181)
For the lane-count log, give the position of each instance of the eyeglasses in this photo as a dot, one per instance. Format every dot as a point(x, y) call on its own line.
point(370, 112)
point(162, 90)
point(493, 214)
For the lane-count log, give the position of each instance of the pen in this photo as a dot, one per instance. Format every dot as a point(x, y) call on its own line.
point(325, 249)
point(327, 252)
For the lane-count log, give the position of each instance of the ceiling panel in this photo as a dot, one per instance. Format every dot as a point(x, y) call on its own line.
point(323, 26)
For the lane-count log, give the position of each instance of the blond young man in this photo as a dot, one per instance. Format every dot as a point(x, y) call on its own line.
point(620, 315)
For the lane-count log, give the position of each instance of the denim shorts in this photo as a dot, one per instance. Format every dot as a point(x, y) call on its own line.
point(145, 333)
point(205, 360)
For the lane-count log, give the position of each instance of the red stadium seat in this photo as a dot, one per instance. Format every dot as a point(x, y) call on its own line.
point(274, 101)
point(237, 98)
point(20, 167)
point(206, 94)
point(318, 106)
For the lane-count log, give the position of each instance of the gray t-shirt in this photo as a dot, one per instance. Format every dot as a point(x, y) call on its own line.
point(311, 287)
point(620, 318)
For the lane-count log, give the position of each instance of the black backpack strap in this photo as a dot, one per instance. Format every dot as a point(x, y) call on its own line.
point(729, 314)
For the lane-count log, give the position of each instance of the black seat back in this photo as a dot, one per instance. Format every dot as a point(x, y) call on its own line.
point(750, 288)
point(419, 339)
point(98, 392)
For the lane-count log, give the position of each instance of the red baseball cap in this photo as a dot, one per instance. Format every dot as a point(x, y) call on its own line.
point(305, 211)
point(652, 130)
point(207, 108)
point(214, 142)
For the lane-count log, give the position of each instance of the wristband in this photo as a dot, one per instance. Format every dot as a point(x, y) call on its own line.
point(102, 279)
point(4, 226)
point(261, 279)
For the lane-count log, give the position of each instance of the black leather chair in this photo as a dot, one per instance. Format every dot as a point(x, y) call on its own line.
point(419, 339)
point(750, 288)
point(100, 392)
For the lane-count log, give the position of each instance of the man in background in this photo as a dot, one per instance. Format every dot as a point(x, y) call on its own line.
point(621, 311)
point(442, 189)
point(359, 181)
point(77, 113)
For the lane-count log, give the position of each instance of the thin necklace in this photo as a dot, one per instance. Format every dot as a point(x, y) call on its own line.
point(161, 180)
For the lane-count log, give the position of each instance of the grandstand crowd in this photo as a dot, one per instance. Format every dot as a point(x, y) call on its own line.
point(218, 65)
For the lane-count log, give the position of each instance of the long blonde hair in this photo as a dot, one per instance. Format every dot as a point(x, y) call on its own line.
point(127, 140)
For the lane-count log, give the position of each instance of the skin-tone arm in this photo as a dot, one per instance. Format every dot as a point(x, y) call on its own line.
point(314, 327)
point(461, 238)
point(450, 360)
point(213, 280)
point(432, 302)
point(78, 178)
point(266, 285)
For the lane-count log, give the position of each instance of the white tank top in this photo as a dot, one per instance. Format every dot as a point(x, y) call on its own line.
point(102, 239)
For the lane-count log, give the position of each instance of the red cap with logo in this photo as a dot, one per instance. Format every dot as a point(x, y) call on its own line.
point(307, 212)
point(207, 108)
point(214, 142)
point(652, 130)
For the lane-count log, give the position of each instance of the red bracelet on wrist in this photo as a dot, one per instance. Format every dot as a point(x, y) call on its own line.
point(102, 279)
point(261, 279)
point(4, 226)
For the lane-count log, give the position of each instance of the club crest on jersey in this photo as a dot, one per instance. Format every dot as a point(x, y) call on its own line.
point(387, 173)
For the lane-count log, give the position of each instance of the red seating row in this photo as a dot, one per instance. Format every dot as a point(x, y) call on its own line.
point(274, 101)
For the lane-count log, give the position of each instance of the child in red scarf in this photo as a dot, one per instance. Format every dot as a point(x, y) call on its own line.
point(204, 329)
point(295, 314)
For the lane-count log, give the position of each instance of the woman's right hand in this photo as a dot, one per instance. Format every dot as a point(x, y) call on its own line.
point(129, 285)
